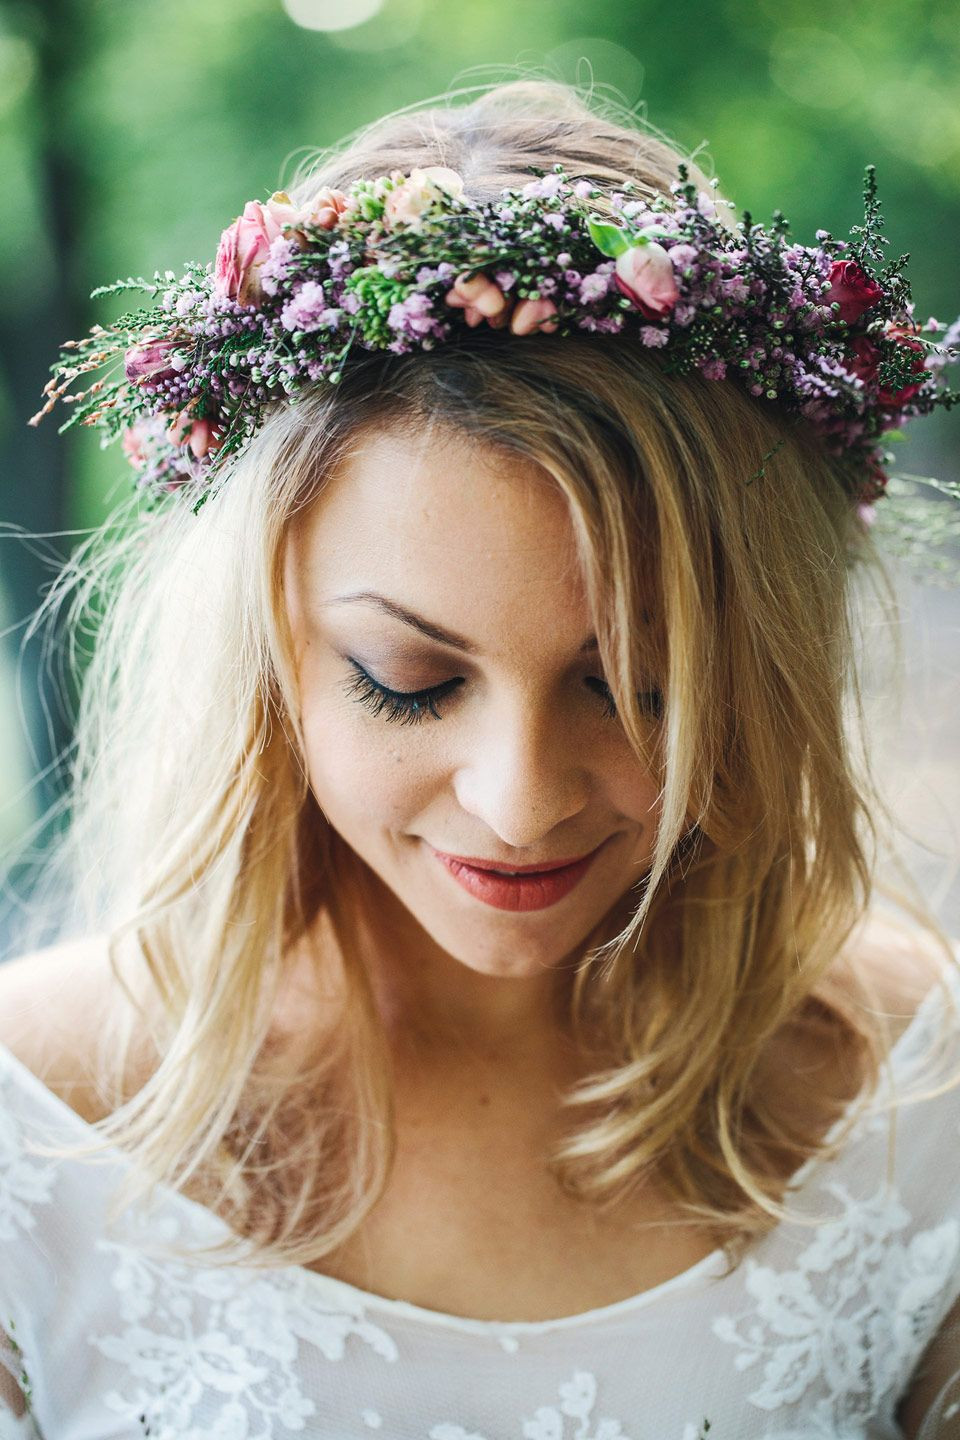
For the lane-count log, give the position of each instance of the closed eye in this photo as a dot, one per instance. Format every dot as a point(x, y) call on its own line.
point(410, 707)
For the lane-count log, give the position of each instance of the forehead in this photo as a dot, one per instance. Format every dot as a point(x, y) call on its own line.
point(397, 502)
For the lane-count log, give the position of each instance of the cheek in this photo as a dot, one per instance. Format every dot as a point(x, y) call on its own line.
point(360, 773)
point(635, 791)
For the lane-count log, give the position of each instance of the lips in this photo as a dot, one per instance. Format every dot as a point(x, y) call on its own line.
point(531, 889)
point(477, 863)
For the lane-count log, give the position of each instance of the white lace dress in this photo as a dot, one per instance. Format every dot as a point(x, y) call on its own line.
point(814, 1335)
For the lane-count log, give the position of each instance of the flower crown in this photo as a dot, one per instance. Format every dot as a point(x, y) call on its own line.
point(405, 262)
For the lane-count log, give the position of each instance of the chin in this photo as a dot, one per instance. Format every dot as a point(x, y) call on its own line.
point(509, 952)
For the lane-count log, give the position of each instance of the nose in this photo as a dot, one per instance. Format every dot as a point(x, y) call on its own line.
point(523, 775)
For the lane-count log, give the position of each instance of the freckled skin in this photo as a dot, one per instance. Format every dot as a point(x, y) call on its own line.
point(522, 766)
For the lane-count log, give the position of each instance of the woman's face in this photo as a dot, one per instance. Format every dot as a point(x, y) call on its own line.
point(515, 760)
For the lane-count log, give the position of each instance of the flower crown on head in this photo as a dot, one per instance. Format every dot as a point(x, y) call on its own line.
point(404, 261)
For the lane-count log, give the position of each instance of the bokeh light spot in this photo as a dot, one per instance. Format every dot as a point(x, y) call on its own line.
point(331, 14)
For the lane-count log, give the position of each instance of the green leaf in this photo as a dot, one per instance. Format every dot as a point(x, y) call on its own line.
point(609, 239)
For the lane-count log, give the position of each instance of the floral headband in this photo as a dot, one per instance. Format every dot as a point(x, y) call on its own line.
point(404, 262)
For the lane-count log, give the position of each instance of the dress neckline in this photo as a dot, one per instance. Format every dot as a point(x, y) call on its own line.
point(358, 1301)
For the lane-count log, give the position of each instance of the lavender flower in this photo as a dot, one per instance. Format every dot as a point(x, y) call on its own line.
point(307, 309)
point(274, 270)
point(414, 316)
point(594, 287)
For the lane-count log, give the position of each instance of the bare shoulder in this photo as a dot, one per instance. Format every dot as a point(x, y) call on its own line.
point(896, 961)
point(52, 1004)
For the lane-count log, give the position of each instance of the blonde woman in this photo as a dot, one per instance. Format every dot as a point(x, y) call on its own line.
point(475, 1018)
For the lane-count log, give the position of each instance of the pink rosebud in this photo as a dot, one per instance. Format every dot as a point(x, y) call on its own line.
point(201, 435)
point(852, 289)
point(152, 361)
point(245, 245)
point(645, 274)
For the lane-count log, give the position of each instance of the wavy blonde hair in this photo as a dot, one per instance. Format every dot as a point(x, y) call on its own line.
point(196, 845)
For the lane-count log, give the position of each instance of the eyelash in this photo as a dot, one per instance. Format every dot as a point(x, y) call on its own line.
point(410, 707)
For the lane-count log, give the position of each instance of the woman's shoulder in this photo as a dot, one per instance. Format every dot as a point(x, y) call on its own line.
point(892, 965)
point(885, 972)
point(53, 1003)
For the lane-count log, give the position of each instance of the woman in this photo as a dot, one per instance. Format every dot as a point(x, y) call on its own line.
point(402, 1139)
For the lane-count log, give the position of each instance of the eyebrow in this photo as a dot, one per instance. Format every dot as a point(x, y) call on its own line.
point(427, 627)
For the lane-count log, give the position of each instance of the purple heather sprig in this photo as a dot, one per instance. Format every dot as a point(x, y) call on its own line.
point(402, 263)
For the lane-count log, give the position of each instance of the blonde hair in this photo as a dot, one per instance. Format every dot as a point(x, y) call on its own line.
point(719, 547)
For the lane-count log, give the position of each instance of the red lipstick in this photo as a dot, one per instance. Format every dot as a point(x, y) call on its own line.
point(477, 862)
point(533, 887)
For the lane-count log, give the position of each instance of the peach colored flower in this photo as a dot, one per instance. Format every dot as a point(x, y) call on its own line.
point(531, 315)
point(645, 274)
point(407, 202)
point(480, 298)
point(324, 209)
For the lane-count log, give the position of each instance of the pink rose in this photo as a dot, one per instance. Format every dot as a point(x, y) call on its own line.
point(245, 245)
point(152, 361)
point(645, 274)
point(852, 289)
point(406, 203)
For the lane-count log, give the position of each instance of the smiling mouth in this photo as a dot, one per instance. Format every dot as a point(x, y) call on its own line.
point(529, 889)
point(491, 867)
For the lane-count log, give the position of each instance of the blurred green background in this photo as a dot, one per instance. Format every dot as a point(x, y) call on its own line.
point(132, 132)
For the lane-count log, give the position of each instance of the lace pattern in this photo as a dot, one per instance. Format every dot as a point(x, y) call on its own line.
point(815, 1336)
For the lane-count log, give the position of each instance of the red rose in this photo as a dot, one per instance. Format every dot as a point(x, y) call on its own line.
point(895, 399)
point(867, 359)
point(852, 289)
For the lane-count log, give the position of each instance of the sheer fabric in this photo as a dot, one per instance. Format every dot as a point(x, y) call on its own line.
point(822, 1331)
